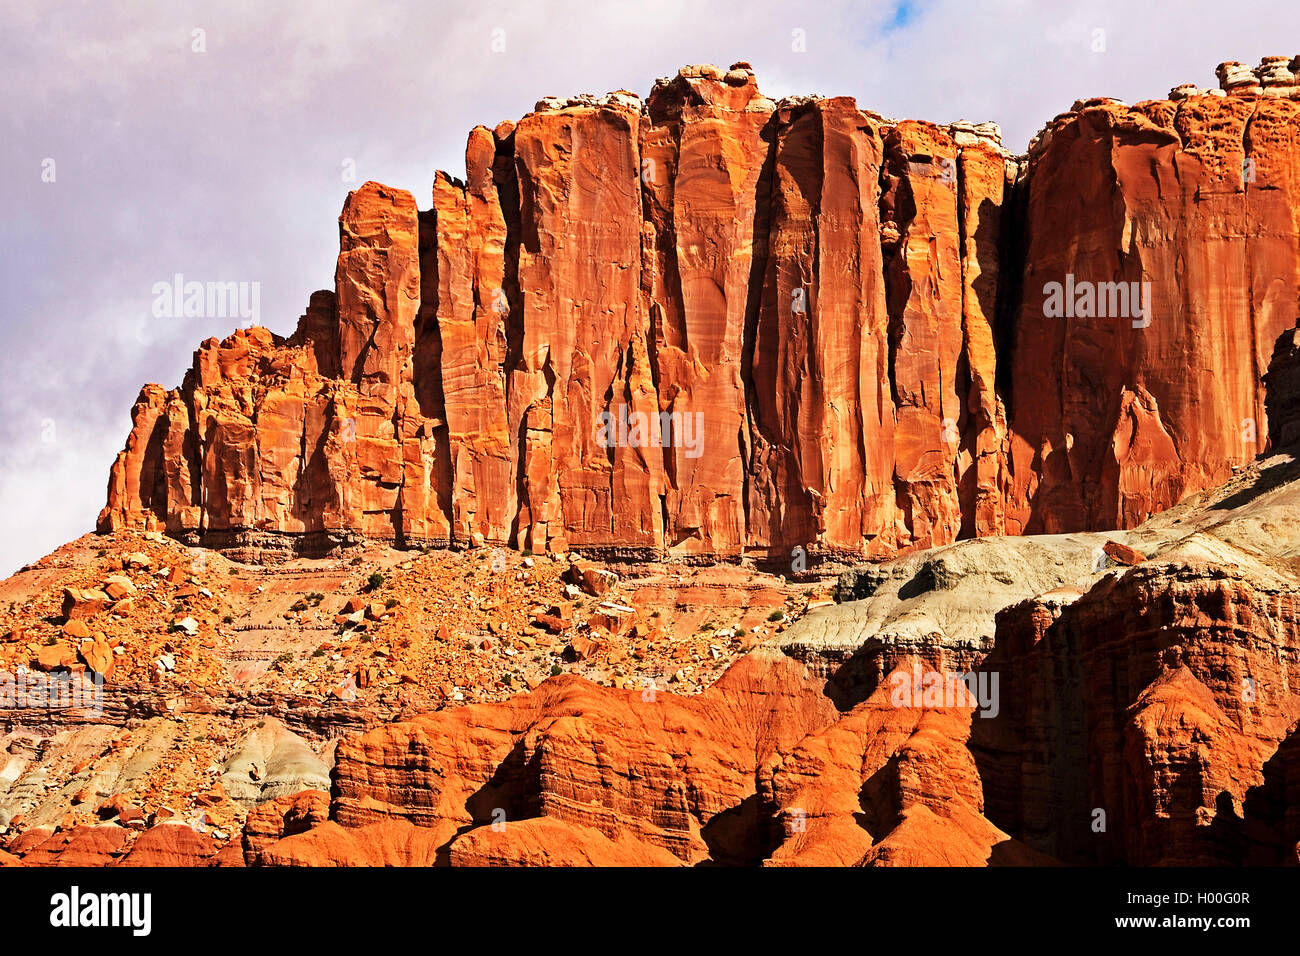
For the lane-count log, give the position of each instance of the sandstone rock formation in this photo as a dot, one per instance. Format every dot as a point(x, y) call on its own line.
point(708, 324)
point(1052, 399)
point(1177, 687)
point(1117, 415)
point(677, 774)
point(1283, 390)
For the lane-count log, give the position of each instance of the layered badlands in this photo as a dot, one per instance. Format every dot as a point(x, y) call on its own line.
point(1067, 506)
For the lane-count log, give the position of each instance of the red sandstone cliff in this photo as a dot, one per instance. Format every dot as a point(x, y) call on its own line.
point(827, 329)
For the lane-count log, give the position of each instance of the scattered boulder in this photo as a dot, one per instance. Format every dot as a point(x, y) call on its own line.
point(97, 656)
point(1123, 554)
point(76, 629)
point(582, 647)
point(591, 578)
point(549, 622)
point(54, 657)
point(82, 603)
point(118, 587)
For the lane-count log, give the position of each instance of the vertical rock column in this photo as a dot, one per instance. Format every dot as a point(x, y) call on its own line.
point(822, 432)
point(579, 280)
point(924, 276)
point(136, 483)
point(707, 134)
point(983, 180)
point(377, 284)
point(782, 496)
point(853, 433)
point(472, 309)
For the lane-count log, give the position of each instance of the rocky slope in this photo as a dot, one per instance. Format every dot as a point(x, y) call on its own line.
point(810, 326)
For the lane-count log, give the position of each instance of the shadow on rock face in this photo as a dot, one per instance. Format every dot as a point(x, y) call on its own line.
point(1282, 471)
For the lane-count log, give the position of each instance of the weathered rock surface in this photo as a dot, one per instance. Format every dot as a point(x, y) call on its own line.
point(1175, 682)
point(1143, 713)
point(1119, 411)
point(886, 786)
point(164, 845)
point(1283, 390)
point(672, 773)
point(271, 761)
point(938, 606)
point(707, 324)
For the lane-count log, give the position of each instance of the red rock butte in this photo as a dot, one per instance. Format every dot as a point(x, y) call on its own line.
point(853, 313)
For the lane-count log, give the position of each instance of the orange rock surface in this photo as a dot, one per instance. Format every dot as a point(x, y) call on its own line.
point(673, 773)
point(1115, 417)
point(1174, 681)
point(709, 324)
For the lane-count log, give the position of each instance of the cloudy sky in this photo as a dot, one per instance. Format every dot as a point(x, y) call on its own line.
point(214, 140)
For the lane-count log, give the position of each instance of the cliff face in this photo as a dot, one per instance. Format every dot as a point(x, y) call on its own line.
point(707, 323)
point(1195, 202)
point(1180, 720)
